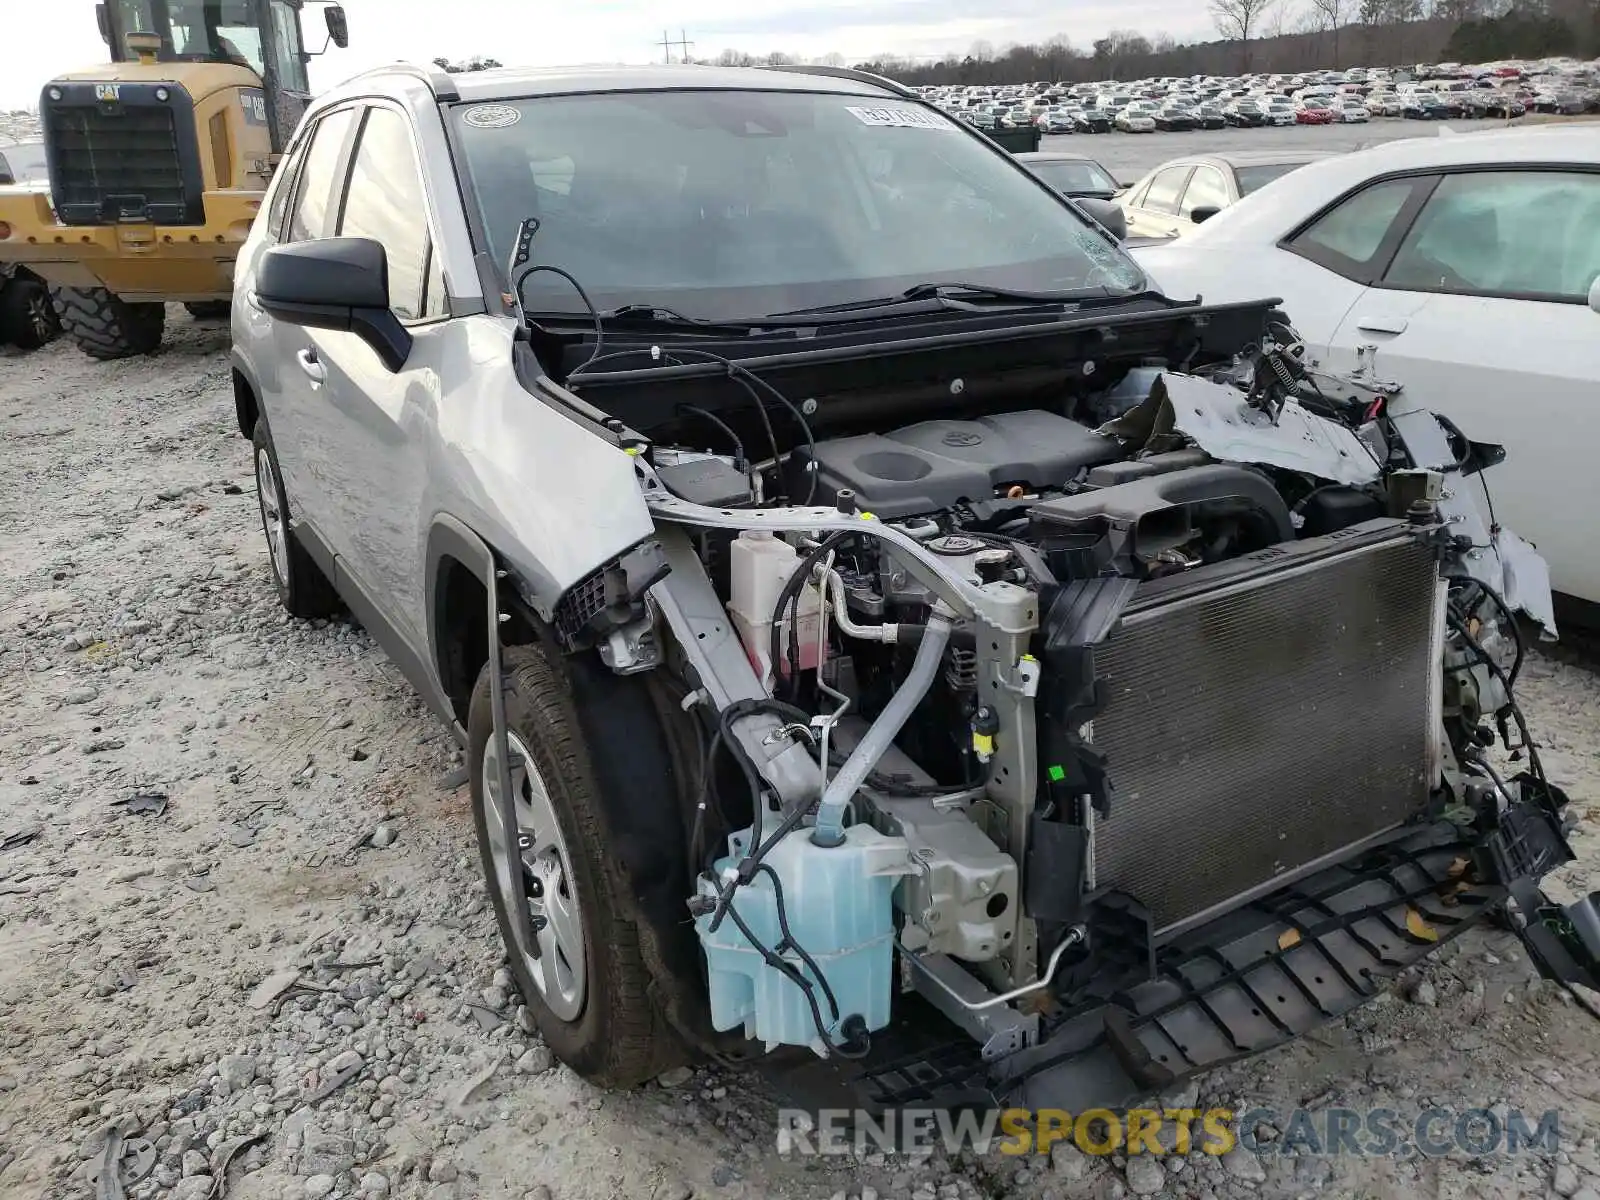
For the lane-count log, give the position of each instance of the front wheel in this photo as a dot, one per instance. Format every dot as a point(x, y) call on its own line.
point(575, 958)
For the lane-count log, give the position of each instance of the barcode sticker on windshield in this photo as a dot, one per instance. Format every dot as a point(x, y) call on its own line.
point(897, 118)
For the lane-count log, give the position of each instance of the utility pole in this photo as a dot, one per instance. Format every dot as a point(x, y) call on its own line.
point(683, 44)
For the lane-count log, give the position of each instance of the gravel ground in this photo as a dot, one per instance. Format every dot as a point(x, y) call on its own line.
point(244, 900)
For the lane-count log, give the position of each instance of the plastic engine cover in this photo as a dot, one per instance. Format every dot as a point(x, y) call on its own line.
point(839, 908)
point(931, 466)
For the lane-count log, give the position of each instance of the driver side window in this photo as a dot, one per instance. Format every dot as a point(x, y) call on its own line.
point(314, 195)
point(386, 202)
point(1162, 195)
point(1206, 190)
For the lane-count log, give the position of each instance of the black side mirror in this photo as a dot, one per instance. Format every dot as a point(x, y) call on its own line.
point(338, 25)
point(1107, 215)
point(1203, 212)
point(335, 283)
point(5, 172)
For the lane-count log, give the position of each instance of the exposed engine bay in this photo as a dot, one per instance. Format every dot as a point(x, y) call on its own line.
point(1138, 703)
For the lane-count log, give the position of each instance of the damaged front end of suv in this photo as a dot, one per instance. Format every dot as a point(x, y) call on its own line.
point(1055, 752)
point(1081, 690)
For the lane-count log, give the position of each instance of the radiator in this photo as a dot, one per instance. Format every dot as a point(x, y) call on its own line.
point(1265, 715)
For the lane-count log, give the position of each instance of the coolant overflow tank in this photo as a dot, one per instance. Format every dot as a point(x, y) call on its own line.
point(838, 904)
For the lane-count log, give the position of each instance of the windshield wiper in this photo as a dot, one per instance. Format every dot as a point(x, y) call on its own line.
point(979, 291)
point(960, 297)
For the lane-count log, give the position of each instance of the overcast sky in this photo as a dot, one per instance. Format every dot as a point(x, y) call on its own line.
point(43, 38)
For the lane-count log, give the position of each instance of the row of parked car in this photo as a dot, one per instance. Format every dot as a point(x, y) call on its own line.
point(1328, 97)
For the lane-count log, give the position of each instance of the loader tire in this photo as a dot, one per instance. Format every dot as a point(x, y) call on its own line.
point(210, 310)
point(27, 317)
point(106, 326)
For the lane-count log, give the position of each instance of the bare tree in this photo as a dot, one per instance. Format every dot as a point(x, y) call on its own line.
point(1237, 20)
point(1333, 15)
point(1057, 53)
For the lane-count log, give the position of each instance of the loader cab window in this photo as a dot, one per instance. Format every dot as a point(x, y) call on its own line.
point(288, 59)
point(132, 16)
point(221, 31)
point(216, 31)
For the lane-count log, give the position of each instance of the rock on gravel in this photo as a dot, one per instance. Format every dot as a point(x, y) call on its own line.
point(1070, 1163)
point(1145, 1175)
point(1243, 1165)
point(237, 1071)
point(536, 1061)
point(325, 1154)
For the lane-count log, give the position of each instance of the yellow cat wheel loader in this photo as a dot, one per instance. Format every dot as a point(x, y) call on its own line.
point(158, 162)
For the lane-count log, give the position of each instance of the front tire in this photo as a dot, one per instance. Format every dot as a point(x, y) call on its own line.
point(303, 589)
point(105, 326)
point(587, 988)
point(28, 318)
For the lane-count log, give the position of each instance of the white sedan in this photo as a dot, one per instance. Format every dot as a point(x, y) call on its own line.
point(1472, 263)
point(1135, 119)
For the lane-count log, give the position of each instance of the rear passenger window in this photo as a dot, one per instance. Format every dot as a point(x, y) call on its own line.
point(1505, 233)
point(313, 208)
point(1348, 238)
point(1162, 195)
point(385, 202)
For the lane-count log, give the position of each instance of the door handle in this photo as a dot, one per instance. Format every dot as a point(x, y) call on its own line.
point(311, 366)
point(1381, 324)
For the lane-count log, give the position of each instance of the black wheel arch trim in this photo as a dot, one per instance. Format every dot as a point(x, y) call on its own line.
point(241, 364)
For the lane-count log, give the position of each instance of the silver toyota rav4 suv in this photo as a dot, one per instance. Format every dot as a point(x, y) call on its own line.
point(883, 628)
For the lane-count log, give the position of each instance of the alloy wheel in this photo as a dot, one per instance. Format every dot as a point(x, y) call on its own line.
point(534, 876)
point(272, 522)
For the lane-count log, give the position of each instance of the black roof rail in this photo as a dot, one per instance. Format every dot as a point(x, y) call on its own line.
point(882, 81)
point(441, 84)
